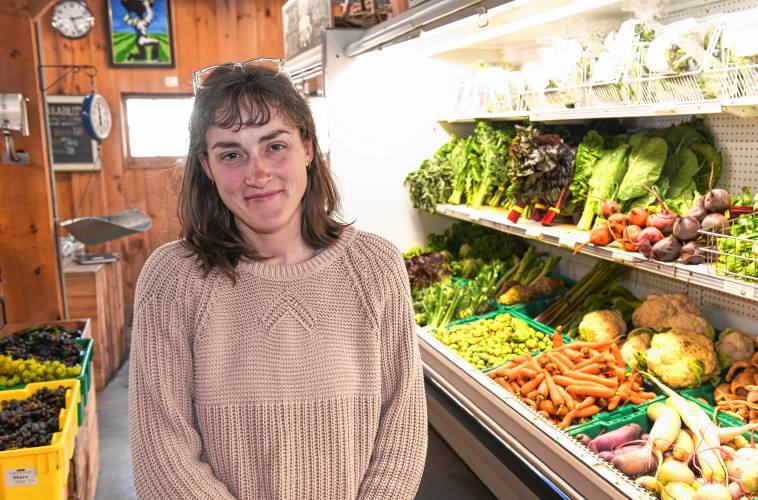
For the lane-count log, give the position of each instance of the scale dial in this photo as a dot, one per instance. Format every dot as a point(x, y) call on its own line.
point(96, 116)
point(72, 19)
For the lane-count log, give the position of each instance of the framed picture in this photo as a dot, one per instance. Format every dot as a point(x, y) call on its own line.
point(140, 33)
point(304, 23)
point(73, 149)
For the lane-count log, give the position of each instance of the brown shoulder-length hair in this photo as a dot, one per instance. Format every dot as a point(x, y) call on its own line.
point(235, 98)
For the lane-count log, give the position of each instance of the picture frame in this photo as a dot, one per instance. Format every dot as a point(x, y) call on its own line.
point(73, 150)
point(140, 34)
point(304, 22)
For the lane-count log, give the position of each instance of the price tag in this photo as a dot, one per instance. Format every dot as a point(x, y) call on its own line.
point(21, 477)
point(533, 232)
point(473, 216)
point(739, 289)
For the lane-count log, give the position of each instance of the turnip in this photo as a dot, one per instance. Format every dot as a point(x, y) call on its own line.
point(735, 490)
point(674, 471)
point(635, 463)
point(713, 491)
point(665, 429)
point(738, 466)
point(750, 481)
point(649, 483)
point(747, 454)
point(584, 439)
point(606, 455)
point(683, 445)
point(677, 491)
point(615, 438)
point(686, 228)
point(716, 200)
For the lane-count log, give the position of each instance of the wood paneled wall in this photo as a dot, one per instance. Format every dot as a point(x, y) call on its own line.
point(205, 32)
point(29, 267)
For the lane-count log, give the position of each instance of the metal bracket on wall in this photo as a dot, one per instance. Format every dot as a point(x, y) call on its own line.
point(88, 70)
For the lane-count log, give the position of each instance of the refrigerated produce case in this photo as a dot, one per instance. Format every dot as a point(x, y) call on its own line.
point(391, 108)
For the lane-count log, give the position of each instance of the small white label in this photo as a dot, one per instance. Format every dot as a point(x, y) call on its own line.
point(566, 242)
point(473, 216)
point(21, 477)
point(533, 232)
point(171, 81)
point(736, 289)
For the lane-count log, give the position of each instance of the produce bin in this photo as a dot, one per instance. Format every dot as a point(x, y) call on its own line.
point(533, 324)
point(533, 308)
point(84, 377)
point(41, 472)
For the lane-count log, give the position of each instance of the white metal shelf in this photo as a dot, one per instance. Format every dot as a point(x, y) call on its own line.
point(570, 237)
point(548, 450)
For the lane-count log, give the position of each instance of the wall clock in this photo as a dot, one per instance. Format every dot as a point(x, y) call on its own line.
point(72, 18)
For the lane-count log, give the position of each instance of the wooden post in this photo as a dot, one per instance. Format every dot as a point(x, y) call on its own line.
point(29, 265)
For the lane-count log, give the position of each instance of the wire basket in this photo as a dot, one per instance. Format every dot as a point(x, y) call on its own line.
point(731, 256)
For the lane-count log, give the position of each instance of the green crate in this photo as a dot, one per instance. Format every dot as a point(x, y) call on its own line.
point(610, 420)
point(536, 307)
point(533, 324)
point(84, 377)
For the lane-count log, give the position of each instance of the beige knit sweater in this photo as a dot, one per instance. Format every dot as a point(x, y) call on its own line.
point(300, 381)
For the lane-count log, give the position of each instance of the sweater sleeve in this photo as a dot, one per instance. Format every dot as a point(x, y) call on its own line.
point(397, 461)
point(166, 447)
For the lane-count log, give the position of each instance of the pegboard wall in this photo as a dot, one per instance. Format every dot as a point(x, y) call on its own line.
point(682, 9)
point(721, 309)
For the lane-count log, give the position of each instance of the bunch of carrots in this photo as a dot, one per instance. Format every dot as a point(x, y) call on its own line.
point(572, 382)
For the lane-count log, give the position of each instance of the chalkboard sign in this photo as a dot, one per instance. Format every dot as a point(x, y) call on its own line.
point(72, 148)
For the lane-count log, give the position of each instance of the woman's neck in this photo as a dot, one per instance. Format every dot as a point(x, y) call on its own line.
point(283, 247)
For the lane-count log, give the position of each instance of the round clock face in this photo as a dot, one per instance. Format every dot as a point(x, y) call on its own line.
point(72, 19)
point(96, 116)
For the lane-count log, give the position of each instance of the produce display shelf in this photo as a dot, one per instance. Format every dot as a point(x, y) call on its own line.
point(548, 451)
point(495, 117)
point(570, 237)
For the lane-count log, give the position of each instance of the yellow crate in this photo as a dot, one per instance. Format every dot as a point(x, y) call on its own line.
point(41, 472)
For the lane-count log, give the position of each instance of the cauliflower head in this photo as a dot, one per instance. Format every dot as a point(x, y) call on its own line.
point(606, 324)
point(689, 322)
point(681, 359)
point(735, 346)
point(676, 311)
point(634, 346)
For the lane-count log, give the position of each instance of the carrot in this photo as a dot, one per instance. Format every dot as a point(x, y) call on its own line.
point(532, 384)
point(513, 373)
point(617, 371)
point(555, 396)
point(561, 411)
point(599, 358)
point(570, 416)
point(592, 369)
point(542, 389)
point(588, 411)
point(548, 406)
point(591, 390)
point(557, 339)
point(608, 382)
point(617, 354)
point(613, 403)
point(571, 354)
point(514, 387)
point(591, 345)
point(566, 381)
point(503, 383)
point(589, 400)
point(637, 399)
point(563, 363)
point(530, 395)
point(493, 375)
point(544, 414)
point(552, 368)
point(567, 398)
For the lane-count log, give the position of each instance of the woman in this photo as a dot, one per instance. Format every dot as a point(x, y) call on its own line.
point(273, 348)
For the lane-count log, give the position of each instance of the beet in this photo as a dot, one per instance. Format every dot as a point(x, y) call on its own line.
point(667, 249)
point(717, 200)
point(663, 220)
point(617, 223)
point(631, 233)
point(609, 207)
point(698, 210)
point(714, 222)
point(686, 229)
point(645, 248)
point(638, 216)
point(691, 253)
point(651, 234)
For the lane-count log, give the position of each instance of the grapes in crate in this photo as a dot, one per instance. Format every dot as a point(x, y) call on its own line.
point(25, 371)
point(30, 422)
point(43, 344)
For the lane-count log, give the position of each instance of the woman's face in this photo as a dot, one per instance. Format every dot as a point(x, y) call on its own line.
point(260, 173)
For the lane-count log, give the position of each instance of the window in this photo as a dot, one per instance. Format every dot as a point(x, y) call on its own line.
point(157, 129)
